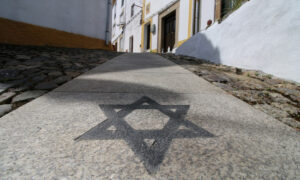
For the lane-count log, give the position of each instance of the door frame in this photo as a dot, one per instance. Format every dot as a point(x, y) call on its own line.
point(146, 39)
point(174, 7)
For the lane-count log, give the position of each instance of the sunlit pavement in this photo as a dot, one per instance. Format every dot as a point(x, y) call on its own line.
point(140, 116)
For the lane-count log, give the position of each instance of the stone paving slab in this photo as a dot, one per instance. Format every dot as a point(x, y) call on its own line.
point(164, 77)
point(143, 64)
point(74, 133)
point(5, 86)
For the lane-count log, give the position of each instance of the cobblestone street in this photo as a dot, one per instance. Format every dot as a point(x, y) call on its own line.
point(27, 72)
point(276, 97)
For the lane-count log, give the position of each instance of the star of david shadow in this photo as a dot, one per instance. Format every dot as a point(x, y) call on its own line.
point(152, 154)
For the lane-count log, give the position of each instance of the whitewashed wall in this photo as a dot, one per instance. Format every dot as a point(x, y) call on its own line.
point(207, 12)
point(85, 17)
point(157, 5)
point(155, 35)
point(132, 24)
point(183, 20)
point(117, 30)
point(261, 35)
point(133, 29)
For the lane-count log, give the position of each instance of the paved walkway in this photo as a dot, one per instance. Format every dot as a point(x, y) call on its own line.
point(141, 117)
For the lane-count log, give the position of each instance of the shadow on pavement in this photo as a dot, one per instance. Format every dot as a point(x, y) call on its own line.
point(152, 154)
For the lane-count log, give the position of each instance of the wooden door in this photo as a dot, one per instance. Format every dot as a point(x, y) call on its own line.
point(169, 32)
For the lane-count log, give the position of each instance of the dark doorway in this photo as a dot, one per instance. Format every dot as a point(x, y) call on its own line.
point(169, 25)
point(148, 36)
point(131, 44)
point(116, 46)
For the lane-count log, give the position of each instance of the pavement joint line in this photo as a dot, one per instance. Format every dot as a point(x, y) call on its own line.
point(94, 92)
point(144, 72)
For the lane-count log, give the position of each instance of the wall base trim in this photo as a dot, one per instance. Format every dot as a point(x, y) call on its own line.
point(19, 33)
point(181, 42)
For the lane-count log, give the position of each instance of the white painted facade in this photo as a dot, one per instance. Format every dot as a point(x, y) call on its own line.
point(125, 25)
point(260, 35)
point(84, 17)
point(133, 27)
point(207, 12)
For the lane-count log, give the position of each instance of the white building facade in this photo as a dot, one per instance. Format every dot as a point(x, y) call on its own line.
point(158, 25)
point(126, 25)
point(70, 23)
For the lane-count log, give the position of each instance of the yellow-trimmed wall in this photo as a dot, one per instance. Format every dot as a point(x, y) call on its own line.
point(181, 42)
point(143, 28)
point(13, 32)
point(190, 18)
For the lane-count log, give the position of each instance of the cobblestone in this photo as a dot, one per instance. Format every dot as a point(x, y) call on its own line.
point(5, 108)
point(274, 96)
point(24, 70)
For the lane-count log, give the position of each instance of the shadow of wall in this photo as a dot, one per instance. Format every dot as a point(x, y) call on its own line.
point(200, 44)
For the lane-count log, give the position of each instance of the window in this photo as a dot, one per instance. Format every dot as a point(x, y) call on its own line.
point(132, 10)
point(197, 14)
point(229, 5)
